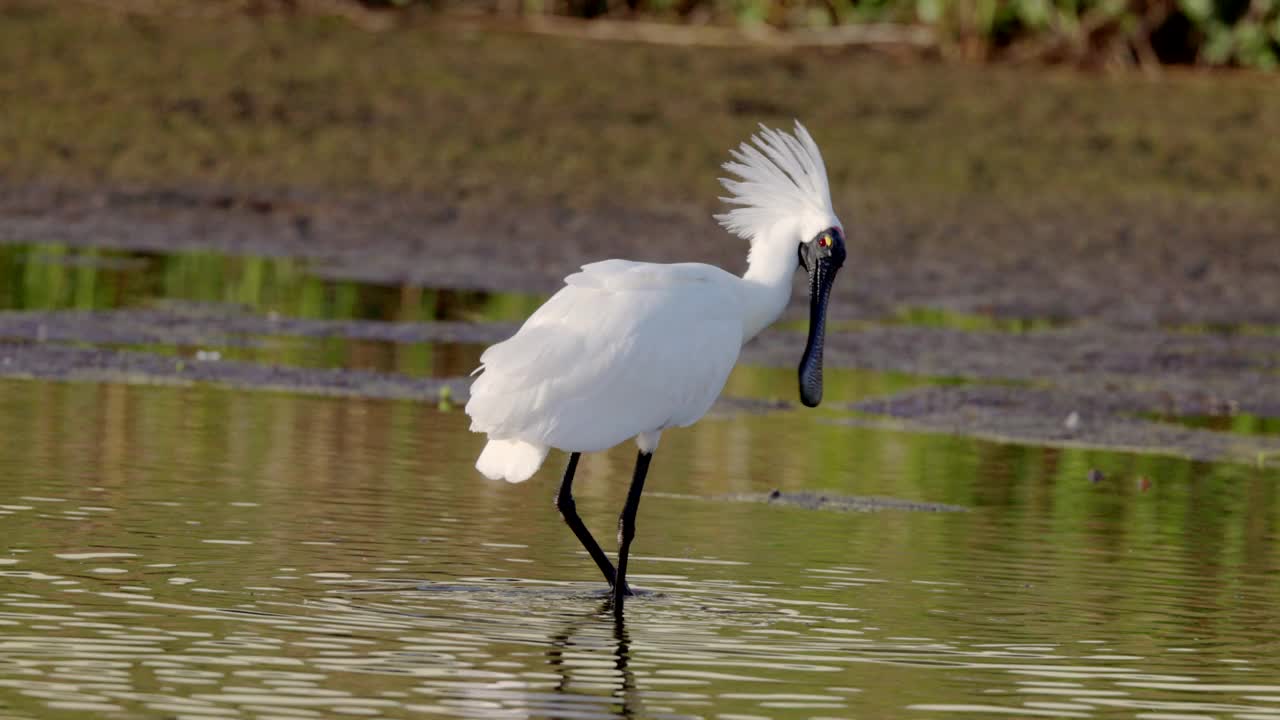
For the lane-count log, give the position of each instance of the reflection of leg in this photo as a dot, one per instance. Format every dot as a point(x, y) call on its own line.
point(560, 643)
point(555, 657)
point(622, 662)
point(627, 528)
point(569, 511)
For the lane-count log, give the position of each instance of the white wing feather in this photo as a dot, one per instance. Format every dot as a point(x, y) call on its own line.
point(624, 348)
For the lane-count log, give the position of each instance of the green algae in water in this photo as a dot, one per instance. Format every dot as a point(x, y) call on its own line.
point(1242, 423)
point(58, 277)
point(976, 322)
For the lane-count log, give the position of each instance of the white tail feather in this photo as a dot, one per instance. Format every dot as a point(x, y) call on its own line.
point(511, 460)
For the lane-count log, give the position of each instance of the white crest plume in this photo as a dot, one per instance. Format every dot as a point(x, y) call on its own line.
point(781, 176)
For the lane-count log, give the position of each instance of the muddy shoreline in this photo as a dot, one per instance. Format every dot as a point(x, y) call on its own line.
point(1077, 386)
point(1112, 352)
point(1125, 264)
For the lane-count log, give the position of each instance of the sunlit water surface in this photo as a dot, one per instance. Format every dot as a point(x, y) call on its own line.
point(203, 553)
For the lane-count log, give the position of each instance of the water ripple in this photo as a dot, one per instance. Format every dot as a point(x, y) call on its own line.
point(289, 557)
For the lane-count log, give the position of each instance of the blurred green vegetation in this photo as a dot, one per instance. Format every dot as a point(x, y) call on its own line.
point(1209, 32)
point(483, 120)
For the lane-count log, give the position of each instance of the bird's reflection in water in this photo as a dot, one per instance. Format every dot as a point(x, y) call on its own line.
point(581, 636)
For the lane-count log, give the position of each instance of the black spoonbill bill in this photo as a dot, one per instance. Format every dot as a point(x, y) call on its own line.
point(628, 349)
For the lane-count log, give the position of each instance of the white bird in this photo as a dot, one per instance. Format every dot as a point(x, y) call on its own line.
point(629, 349)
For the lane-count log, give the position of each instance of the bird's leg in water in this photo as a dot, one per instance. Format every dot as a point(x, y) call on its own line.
point(569, 511)
point(627, 528)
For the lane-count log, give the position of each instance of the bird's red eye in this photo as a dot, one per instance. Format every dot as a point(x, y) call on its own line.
point(824, 241)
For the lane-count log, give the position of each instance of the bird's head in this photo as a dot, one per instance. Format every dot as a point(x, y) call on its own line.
point(783, 207)
point(821, 257)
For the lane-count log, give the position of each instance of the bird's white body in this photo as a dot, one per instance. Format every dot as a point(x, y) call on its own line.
point(602, 342)
point(628, 349)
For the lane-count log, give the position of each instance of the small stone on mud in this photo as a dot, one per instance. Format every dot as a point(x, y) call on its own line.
point(775, 494)
point(1073, 421)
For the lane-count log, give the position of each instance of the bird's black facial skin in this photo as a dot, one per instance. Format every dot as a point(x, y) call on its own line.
point(821, 258)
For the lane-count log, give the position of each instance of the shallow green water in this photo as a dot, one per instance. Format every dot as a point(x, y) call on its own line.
point(1241, 423)
point(47, 276)
point(196, 552)
point(195, 285)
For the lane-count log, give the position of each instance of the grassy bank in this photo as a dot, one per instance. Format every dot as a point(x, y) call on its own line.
point(1150, 33)
point(1114, 32)
point(312, 102)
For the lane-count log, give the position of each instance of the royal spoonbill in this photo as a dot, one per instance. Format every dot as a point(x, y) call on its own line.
point(628, 349)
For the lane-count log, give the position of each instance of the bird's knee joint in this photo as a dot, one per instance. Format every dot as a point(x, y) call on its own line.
point(626, 531)
point(565, 504)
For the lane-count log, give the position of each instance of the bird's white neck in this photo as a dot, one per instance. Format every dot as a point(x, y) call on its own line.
point(766, 285)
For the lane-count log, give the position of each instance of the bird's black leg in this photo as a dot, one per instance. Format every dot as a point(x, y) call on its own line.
point(569, 511)
point(627, 528)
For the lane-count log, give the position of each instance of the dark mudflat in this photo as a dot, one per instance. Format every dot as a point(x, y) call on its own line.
point(1125, 262)
point(223, 327)
point(1066, 419)
point(55, 361)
